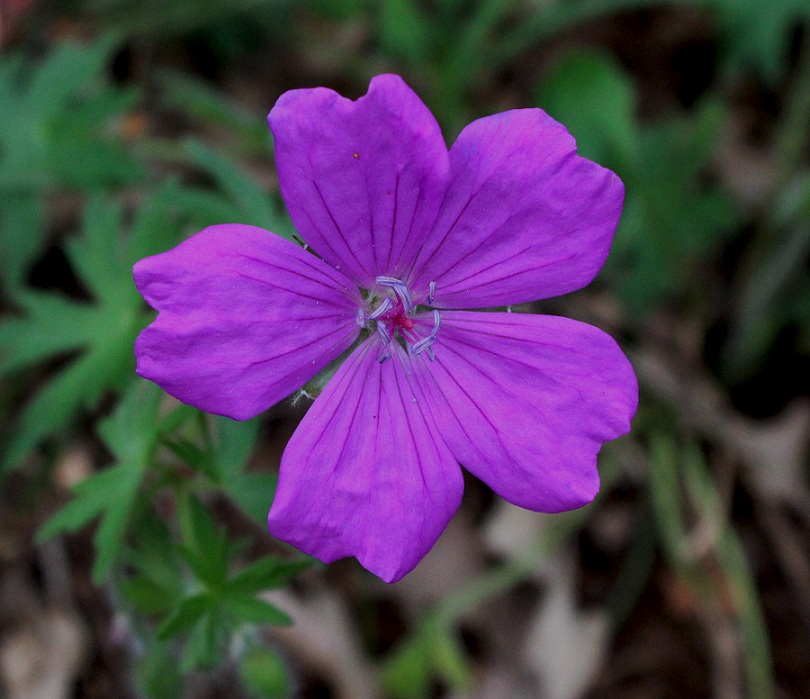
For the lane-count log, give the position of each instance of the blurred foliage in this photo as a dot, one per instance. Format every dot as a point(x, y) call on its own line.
point(61, 127)
point(682, 489)
point(671, 218)
point(102, 165)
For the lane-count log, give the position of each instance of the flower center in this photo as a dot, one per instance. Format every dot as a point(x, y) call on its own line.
point(394, 314)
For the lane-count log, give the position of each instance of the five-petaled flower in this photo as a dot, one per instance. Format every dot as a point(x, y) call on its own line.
point(408, 237)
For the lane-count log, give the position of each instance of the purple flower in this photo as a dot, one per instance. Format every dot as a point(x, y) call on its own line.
point(407, 236)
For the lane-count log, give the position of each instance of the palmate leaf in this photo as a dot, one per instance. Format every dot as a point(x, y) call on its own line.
point(219, 601)
point(253, 492)
point(58, 130)
point(131, 434)
point(99, 334)
point(21, 225)
point(185, 616)
point(204, 604)
point(205, 546)
point(46, 109)
point(222, 456)
point(156, 583)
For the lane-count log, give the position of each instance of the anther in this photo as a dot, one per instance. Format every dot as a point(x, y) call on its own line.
point(382, 309)
point(437, 323)
point(431, 293)
point(400, 289)
point(385, 336)
point(424, 345)
point(360, 318)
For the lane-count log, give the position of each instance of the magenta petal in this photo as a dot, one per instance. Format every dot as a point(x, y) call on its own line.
point(525, 218)
point(363, 180)
point(245, 318)
point(366, 474)
point(525, 402)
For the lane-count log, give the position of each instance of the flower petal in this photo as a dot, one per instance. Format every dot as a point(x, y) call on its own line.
point(525, 218)
point(363, 180)
point(366, 474)
point(245, 318)
point(525, 402)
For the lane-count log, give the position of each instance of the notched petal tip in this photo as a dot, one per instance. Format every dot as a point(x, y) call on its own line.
point(363, 179)
point(245, 319)
point(366, 474)
point(524, 218)
point(525, 403)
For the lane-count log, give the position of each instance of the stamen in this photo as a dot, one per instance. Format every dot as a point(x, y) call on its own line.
point(437, 323)
point(392, 317)
point(400, 289)
point(385, 336)
point(382, 309)
point(424, 345)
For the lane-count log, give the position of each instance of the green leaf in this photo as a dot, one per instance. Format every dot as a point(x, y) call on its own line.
point(205, 546)
point(52, 324)
point(432, 651)
point(207, 104)
point(449, 660)
point(235, 441)
point(406, 32)
point(185, 616)
point(152, 555)
point(252, 204)
point(100, 333)
point(56, 121)
point(206, 643)
point(255, 611)
point(407, 672)
point(90, 499)
point(21, 225)
point(264, 674)
point(758, 34)
point(233, 444)
point(131, 435)
point(147, 596)
point(70, 66)
point(59, 129)
point(157, 671)
point(253, 492)
point(191, 453)
point(673, 215)
point(266, 574)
